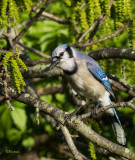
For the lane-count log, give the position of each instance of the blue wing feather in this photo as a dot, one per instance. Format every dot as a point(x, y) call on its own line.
point(100, 75)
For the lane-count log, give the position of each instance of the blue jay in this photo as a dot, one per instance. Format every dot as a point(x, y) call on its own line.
point(88, 79)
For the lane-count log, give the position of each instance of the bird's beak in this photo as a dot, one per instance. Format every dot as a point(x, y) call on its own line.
point(54, 63)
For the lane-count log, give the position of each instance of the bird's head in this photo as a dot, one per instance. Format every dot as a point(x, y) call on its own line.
point(63, 58)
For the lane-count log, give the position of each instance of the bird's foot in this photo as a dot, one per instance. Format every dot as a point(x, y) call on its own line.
point(69, 116)
point(94, 111)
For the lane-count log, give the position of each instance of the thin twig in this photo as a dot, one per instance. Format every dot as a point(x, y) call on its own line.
point(122, 82)
point(120, 87)
point(76, 28)
point(52, 17)
point(5, 89)
point(8, 35)
point(37, 116)
point(9, 25)
point(50, 90)
point(33, 63)
point(98, 25)
point(34, 50)
point(112, 158)
point(70, 143)
point(104, 38)
point(90, 28)
point(30, 23)
point(38, 4)
point(15, 28)
point(83, 4)
point(101, 110)
point(123, 73)
point(3, 51)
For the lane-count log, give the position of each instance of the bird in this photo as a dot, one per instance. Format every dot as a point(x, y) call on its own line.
point(88, 80)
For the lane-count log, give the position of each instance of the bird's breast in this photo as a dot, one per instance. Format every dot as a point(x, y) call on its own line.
point(77, 83)
point(85, 84)
point(80, 85)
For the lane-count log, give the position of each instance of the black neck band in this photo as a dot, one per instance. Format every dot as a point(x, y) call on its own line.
point(71, 72)
point(68, 49)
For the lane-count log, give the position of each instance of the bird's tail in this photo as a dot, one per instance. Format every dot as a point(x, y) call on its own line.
point(116, 125)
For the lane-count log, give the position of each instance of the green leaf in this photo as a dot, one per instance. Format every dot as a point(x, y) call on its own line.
point(19, 117)
point(49, 129)
point(28, 142)
point(1, 133)
point(60, 97)
point(5, 119)
point(14, 135)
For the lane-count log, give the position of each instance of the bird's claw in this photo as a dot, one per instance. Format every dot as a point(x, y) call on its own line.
point(94, 111)
point(69, 116)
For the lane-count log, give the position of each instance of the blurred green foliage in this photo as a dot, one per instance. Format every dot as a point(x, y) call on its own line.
point(18, 129)
point(50, 35)
point(12, 6)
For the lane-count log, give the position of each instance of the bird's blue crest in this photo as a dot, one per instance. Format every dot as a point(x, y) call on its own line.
point(59, 49)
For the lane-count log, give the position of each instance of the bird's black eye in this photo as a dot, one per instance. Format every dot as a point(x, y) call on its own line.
point(61, 54)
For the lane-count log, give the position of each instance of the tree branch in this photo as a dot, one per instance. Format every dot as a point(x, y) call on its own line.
point(101, 110)
point(50, 90)
point(30, 23)
point(122, 88)
point(74, 122)
point(38, 4)
point(70, 143)
point(107, 53)
point(90, 28)
point(98, 25)
point(52, 17)
point(33, 63)
point(121, 85)
point(41, 71)
point(122, 82)
point(35, 51)
point(3, 51)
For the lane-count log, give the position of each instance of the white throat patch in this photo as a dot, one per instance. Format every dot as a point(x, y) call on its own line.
point(67, 64)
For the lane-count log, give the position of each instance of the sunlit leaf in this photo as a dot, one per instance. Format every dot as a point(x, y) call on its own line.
point(19, 117)
point(14, 135)
point(5, 117)
point(28, 142)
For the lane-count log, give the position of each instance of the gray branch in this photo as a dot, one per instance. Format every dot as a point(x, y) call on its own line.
point(70, 143)
point(41, 71)
point(52, 17)
point(107, 53)
point(59, 115)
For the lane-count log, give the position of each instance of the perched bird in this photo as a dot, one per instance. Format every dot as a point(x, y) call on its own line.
point(89, 80)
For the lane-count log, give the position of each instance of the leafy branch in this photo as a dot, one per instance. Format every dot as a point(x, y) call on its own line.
point(104, 38)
